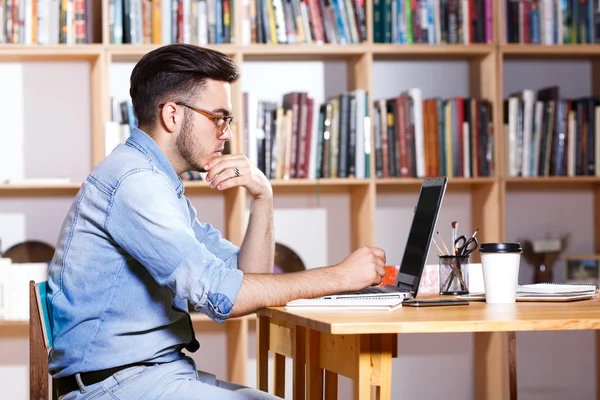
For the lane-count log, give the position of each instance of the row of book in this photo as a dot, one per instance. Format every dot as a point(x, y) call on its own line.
point(297, 21)
point(433, 21)
point(416, 137)
point(198, 22)
point(544, 134)
point(547, 135)
point(296, 138)
point(304, 21)
point(552, 21)
point(413, 137)
point(48, 22)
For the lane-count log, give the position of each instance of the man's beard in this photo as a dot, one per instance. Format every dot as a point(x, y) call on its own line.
point(186, 143)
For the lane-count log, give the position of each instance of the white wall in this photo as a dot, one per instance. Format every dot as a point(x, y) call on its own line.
point(46, 121)
point(429, 365)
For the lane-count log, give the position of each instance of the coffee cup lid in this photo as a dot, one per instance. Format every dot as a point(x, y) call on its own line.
point(500, 248)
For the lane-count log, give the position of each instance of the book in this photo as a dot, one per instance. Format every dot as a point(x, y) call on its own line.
point(381, 303)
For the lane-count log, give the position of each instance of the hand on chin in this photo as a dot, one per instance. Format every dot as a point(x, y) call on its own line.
point(230, 170)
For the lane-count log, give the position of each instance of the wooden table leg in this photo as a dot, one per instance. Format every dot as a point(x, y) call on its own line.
point(366, 359)
point(491, 365)
point(331, 385)
point(299, 381)
point(597, 365)
point(262, 353)
point(382, 351)
point(314, 372)
point(512, 364)
point(362, 383)
point(279, 375)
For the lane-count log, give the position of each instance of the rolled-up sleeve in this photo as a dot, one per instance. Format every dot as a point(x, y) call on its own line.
point(149, 222)
point(214, 240)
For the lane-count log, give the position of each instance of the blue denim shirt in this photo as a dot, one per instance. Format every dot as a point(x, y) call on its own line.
point(130, 253)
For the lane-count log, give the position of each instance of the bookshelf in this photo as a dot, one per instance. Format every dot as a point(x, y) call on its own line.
point(485, 65)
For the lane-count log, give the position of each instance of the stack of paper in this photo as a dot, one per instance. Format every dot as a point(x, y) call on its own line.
point(381, 303)
point(547, 292)
point(556, 291)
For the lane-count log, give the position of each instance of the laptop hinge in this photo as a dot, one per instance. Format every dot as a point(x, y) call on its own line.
point(405, 287)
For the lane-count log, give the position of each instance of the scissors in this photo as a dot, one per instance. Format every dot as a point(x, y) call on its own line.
point(466, 246)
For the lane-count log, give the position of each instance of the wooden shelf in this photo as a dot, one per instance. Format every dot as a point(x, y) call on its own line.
point(320, 182)
point(70, 189)
point(432, 51)
point(315, 186)
point(551, 182)
point(42, 190)
point(128, 52)
point(18, 52)
point(413, 184)
point(549, 51)
point(279, 186)
point(14, 329)
point(262, 52)
point(265, 52)
point(133, 52)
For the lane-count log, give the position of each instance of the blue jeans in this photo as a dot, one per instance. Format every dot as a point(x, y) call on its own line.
point(175, 380)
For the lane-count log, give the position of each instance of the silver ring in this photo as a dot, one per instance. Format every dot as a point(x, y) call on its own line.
point(236, 171)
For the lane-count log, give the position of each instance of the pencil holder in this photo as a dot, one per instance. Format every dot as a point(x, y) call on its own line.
point(454, 274)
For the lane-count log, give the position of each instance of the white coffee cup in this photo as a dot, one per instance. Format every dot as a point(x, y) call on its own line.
point(500, 263)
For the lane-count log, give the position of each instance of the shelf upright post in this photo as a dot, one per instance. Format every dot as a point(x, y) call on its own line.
point(100, 101)
point(235, 226)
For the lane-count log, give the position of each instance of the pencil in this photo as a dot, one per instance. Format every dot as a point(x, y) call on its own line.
point(438, 247)
point(443, 243)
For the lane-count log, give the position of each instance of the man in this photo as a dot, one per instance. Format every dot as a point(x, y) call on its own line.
point(132, 252)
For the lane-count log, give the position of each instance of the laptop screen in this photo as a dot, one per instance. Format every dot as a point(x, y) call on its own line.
point(421, 232)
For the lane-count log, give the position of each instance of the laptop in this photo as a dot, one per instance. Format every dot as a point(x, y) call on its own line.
point(417, 246)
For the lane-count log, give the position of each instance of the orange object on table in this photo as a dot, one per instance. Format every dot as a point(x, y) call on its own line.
point(391, 272)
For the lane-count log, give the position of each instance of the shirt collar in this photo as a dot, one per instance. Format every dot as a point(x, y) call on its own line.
point(143, 142)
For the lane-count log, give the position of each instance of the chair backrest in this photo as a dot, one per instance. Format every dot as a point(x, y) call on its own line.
point(40, 342)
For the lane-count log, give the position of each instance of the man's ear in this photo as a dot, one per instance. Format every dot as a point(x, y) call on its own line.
point(170, 116)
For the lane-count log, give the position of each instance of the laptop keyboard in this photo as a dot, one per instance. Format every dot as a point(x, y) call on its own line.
point(376, 289)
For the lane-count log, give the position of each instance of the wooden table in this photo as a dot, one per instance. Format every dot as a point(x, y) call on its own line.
point(361, 345)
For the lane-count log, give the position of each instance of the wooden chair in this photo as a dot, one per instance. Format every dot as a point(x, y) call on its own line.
point(40, 343)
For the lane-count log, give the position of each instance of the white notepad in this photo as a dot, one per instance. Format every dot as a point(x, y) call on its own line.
point(557, 289)
point(547, 292)
point(381, 303)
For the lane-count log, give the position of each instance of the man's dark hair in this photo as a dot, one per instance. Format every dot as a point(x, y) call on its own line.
point(176, 72)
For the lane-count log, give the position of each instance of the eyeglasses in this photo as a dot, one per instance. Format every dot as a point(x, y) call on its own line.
point(223, 121)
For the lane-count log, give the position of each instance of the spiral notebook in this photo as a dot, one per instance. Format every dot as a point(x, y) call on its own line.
point(382, 303)
point(548, 292)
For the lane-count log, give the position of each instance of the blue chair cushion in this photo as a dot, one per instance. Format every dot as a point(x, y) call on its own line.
point(42, 296)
